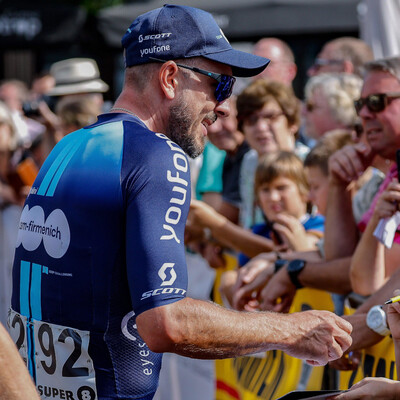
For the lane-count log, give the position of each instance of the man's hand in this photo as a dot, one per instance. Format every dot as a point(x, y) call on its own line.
point(318, 336)
point(372, 389)
point(393, 318)
point(348, 362)
point(293, 233)
point(362, 337)
point(252, 277)
point(348, 163)
point(388, 201)
point(279, 293)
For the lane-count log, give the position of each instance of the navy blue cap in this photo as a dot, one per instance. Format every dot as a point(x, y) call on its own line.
point(172, 32)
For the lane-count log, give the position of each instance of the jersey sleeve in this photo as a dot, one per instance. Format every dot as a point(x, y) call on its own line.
point(157, 204)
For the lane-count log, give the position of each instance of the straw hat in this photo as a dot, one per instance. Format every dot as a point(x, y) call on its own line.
point(76, 75)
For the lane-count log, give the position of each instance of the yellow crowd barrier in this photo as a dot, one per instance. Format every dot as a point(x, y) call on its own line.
point(273, 373)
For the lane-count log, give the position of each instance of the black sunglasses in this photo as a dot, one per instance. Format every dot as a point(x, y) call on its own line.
point(375, 102)
point(225, 82)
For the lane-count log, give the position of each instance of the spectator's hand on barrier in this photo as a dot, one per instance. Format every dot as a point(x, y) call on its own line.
point(348, 163)
point(252, 277)
point(371, 389)
point(278, 294)
point(292, 232)
point(388, 201)
point(393, 318)
point(318, 336)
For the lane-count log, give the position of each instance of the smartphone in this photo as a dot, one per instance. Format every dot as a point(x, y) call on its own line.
point(275, 236)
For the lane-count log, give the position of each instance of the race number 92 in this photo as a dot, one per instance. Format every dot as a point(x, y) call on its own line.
point(46, 341)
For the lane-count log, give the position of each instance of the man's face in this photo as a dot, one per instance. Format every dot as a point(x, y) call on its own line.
point(327, 61)
point(196, 108)
point(318, 115)
point(267, 130)
point(224, 134)
point(280, 69)
point(382, 128)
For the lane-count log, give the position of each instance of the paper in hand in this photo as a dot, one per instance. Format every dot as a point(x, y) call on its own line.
point(386, 229)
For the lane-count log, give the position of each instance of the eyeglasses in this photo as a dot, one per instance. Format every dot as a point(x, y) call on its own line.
point(375, 102)
point(253, 119)
point(225, 82)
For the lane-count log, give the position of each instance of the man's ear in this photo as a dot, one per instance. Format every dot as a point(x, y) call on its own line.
point(168, 79)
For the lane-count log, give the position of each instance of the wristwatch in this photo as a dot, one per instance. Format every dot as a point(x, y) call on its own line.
point(279, 263)
point(376, 320)
point(294, 268)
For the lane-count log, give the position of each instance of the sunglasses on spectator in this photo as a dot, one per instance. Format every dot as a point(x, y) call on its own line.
point(225, 82)
point(375, 102)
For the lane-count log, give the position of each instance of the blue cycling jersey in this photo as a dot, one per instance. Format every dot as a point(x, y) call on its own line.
point(100, 241)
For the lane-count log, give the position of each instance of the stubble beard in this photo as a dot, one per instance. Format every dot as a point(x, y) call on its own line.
point(179, 130)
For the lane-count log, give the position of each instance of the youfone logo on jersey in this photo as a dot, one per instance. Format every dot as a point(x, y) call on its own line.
point(179, 190)
point(54, 231)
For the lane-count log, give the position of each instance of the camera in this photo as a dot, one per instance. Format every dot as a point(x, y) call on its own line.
point(31, 108)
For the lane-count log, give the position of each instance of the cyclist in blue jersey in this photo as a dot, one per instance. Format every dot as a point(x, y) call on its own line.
point(99, 278)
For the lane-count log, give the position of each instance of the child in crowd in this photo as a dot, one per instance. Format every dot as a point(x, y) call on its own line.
point(281, 189)
point(253, 276)
point(282, 192)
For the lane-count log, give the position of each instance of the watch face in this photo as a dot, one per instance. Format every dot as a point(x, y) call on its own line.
point(375, 318)
point(296, 265)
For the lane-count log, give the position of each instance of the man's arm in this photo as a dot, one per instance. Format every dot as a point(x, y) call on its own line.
point(199, 329)
point(341, 233)
point(362, 335)
point(372, 263)
point(226, 232)
point(15, 381)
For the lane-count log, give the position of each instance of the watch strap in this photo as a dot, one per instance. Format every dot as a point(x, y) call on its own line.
point(294, 268)
point(279, 263)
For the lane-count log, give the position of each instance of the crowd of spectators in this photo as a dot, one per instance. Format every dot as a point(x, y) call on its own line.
point(292, 189)
point(345, 135)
